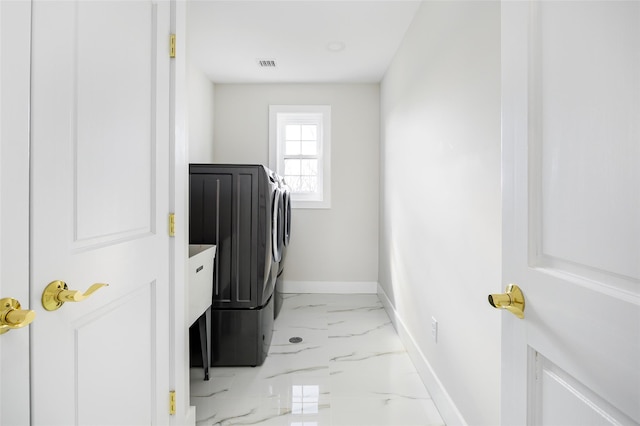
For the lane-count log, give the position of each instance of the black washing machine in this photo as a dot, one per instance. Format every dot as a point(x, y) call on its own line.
point(237, 208)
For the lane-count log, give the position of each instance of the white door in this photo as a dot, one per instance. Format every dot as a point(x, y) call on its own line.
point(571, 142)
point(14, 205)
point(99, 211)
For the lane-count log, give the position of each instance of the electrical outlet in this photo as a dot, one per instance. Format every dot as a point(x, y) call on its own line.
point(434, 329)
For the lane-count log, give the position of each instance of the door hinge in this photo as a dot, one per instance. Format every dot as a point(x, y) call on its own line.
point(172, 224)
point(172, 403)
point(172, 46)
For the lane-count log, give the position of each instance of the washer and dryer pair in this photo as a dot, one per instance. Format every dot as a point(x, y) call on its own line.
point(241, 209)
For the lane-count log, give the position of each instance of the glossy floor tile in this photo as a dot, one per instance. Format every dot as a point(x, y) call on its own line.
point(350, 369)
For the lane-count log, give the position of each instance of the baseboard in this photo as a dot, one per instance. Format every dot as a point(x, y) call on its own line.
point(191, 416)
point(448, 410)
point(330, 287)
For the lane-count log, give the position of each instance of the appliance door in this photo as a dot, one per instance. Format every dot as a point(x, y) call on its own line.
point(277, 225)
point(286, 198)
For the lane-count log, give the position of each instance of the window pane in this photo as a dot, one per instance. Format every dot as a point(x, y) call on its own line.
point(292, 132)
point(309, 148)
point(304, 184)
point(292, 148)
point(309, 167)
point(291, 167)
point(293, 182)
point(309, 132)
point(308, 184)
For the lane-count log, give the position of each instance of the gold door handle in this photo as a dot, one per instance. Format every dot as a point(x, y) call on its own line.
point(57, 292)
point(512, 300)
point(11, 316)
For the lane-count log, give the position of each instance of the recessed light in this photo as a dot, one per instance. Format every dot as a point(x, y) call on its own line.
point(335, 46)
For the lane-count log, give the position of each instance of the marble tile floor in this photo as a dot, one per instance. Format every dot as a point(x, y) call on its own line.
point(350, 369)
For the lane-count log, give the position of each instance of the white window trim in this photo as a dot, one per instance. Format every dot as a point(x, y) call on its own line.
point(276, 159)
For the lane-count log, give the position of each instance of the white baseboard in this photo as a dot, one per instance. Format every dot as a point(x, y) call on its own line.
point(330, 287)
point(448, 410)
point(191, 416)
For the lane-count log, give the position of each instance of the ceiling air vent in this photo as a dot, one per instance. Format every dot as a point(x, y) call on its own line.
point(267, 63)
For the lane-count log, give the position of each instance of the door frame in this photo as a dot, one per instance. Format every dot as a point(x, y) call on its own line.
point(179, 379)
point(15, 36)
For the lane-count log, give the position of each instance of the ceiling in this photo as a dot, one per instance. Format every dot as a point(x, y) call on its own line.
point(327, 41)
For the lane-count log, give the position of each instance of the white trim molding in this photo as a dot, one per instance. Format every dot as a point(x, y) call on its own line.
point(330, 287)
point(445, 405)
point(190, 419)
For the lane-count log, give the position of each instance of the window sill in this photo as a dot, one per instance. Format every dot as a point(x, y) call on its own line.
point(299, 204)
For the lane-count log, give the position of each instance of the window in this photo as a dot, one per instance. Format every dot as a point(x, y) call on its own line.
point(300, 151)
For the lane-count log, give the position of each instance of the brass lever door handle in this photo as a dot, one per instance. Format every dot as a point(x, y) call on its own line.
point(11, 316)
point(512, 300)
point(57, 292)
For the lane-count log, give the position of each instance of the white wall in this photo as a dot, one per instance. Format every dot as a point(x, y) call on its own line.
point(334, 246)
point(200, 110)
point(440, 237)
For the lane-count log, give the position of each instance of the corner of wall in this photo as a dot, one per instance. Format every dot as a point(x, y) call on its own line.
point(200, 110)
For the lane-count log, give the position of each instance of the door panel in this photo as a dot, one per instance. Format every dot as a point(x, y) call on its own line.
point(586, 112)
point(100, 126)
point(564, 401)
point(571, 218)
point(114, 202)
point(94, 338)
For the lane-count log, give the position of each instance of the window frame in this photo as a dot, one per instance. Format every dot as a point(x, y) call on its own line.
point(279, 116)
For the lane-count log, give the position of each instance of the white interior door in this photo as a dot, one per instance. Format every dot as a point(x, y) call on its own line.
point(15, 24)
point(571, 141)
point(99, 207)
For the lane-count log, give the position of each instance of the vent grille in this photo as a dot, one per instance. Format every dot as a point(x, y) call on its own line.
point(267, 63)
